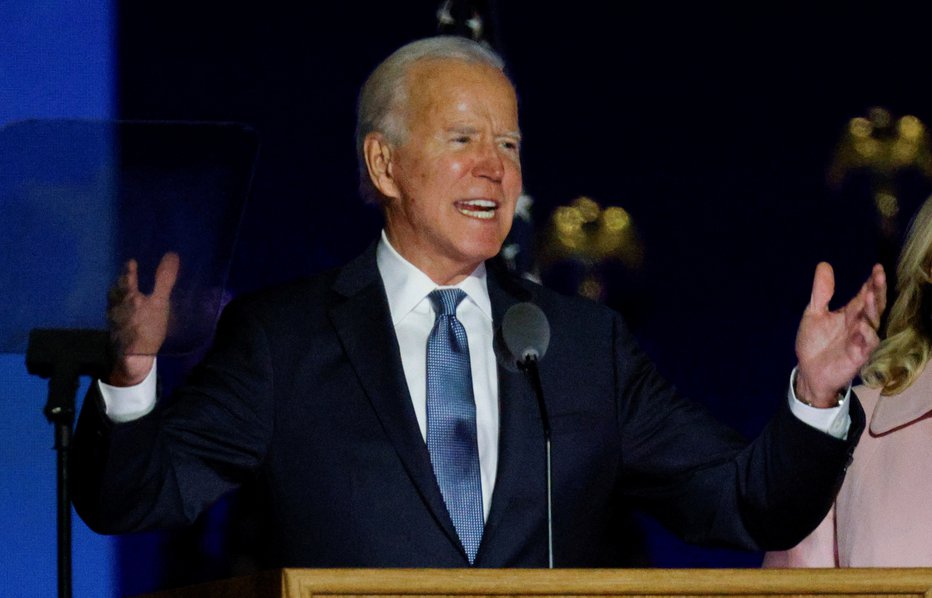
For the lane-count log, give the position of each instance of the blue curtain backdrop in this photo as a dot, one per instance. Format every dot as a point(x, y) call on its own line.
point(56, 61)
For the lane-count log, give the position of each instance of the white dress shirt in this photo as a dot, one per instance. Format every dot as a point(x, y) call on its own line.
point(413, 317)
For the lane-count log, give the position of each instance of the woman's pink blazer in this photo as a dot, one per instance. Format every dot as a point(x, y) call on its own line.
point(882, 515)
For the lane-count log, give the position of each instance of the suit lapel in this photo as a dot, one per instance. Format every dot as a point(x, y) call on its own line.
point(364, 325)
point(520, 441)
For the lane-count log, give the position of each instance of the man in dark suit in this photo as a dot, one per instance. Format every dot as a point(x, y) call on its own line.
point(326, 391)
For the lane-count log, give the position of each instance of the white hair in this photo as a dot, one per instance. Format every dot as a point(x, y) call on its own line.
point(383, 95)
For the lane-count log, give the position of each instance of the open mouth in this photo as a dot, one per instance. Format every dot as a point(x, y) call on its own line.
point(483, 209)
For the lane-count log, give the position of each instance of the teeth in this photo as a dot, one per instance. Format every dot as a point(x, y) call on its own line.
point(481, 214)
point(485, 211)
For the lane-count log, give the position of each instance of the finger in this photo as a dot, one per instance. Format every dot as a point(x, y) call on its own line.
point(879, 280)
point(823, 287)
point(165, 275)
point(872, 340)
point(870, 300)
point(869, 335)
point(130, 278)
point(872, 309)
point(115, 295)
point(862, 343)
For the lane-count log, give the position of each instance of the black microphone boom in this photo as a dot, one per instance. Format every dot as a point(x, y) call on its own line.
point(526, 333)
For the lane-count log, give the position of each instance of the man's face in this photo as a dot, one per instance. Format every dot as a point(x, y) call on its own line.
point(456, 175)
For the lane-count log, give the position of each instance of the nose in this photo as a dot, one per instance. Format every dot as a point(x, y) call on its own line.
point(489, 163)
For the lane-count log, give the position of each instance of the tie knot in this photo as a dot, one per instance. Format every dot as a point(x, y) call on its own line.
point(446, 300)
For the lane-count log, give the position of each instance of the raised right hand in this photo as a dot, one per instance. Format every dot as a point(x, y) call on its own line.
point(139, 322)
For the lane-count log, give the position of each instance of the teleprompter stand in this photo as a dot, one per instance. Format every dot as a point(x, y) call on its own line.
point(61, 356)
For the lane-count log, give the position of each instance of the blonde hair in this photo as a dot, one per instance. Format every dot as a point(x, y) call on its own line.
point(902, 356)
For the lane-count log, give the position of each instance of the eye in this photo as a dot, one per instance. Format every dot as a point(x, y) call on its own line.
point(510, 145)
point(461, 139)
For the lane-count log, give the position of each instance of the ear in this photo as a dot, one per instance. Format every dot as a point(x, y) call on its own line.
point(378, 153)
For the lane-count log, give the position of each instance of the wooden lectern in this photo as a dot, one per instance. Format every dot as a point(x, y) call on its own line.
point(654, 583)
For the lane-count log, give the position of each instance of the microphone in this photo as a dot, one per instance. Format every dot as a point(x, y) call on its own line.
point(526, 333)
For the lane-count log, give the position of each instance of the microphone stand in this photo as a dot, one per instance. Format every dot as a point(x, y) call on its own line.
point(529, 365)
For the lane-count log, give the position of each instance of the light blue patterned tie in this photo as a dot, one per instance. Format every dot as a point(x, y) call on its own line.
point(451, 420)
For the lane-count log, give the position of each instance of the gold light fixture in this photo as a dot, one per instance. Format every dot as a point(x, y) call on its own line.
point(585, 233)
point(882, 146)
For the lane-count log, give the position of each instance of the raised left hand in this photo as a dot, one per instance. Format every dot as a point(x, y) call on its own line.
point(832, 346)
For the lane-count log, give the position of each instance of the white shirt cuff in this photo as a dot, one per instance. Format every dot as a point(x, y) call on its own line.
point(126, 403)
point(834, 421)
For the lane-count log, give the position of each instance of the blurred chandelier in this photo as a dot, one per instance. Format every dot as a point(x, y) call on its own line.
point(883, 146)
point(585, 233)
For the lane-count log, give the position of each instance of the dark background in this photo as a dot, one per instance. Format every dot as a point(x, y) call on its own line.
point(712, 125)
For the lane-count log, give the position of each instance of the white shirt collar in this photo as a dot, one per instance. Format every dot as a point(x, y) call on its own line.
point(406, 286)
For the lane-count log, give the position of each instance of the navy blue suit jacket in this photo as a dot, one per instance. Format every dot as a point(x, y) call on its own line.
point(304, 393)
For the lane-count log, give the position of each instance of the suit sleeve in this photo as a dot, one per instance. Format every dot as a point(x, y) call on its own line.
point(819, 549)
point(164, 469)
point(700, 479)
